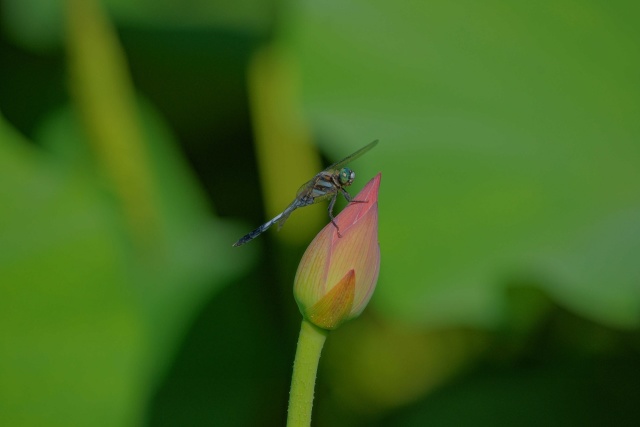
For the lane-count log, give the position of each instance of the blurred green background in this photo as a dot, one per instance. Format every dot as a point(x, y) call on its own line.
point(139, 139)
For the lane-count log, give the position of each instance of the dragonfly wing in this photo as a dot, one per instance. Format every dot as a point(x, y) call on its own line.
point(352, 157)
point(282, 218)
point(319, 188)
point(306, 188)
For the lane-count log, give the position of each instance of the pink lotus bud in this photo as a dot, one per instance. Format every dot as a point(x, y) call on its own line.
point(338, 273)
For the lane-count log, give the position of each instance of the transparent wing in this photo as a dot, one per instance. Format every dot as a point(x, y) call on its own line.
point(352, 157)
point(306, 187)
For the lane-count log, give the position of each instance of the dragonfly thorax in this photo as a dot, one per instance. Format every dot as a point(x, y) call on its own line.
point(346, 176)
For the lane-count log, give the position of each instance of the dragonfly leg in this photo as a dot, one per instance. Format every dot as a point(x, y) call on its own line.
point(347, 196)
point(331, 205)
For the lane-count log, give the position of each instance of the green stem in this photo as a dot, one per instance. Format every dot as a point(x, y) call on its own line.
point(305, 368)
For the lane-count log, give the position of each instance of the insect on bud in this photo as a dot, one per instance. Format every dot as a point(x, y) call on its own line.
point(338, 272)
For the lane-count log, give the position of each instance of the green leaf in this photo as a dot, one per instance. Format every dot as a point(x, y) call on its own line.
point(38, 24)
point(108, 248)
point(87, 325)
point(71, 338)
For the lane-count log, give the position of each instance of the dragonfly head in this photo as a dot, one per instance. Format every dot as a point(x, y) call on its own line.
point(346, 176)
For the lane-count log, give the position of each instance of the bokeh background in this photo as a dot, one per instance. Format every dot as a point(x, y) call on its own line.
point(139, 139)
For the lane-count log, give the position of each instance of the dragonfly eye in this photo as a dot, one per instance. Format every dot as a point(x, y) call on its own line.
point(347, 176)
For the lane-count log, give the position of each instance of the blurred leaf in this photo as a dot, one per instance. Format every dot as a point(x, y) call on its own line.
point(196, 247)
point(408, 363)
point(589, 392)
point(82, 314)
point(107, 249)
point(71, 339)
point(509, 143)
point(165, 214)
point(104, 93)
point(242, 15)
point(38, 24)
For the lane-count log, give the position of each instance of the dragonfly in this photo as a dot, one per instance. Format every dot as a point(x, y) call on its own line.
point(325, 185)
